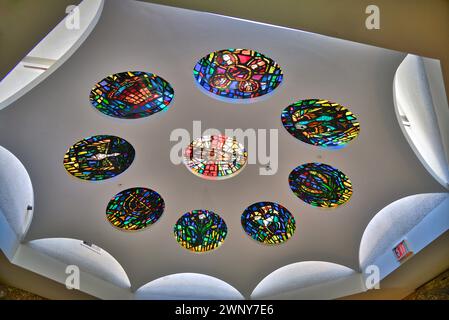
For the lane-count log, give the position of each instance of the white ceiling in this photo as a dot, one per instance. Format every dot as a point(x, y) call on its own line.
point(39, 127)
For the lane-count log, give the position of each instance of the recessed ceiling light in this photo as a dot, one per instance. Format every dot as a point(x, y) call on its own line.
point(215, 157)
point(200, 230)
point(268, 222)
point(135, 208)
point(99, 157)
point(131, 95)
point(320, 123)
point(237, 73)
point(320, 185)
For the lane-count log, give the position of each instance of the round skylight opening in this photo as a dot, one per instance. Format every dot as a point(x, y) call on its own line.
point(99, 157)
point(320, 123)
point(135, 209)
point(131, 95)
point(320, 185)
point(237, 74)
point(215, 157)
point(200, 230)
point(268, 222)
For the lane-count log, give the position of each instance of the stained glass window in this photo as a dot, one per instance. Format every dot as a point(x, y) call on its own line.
point(135, 208)
point(131, 95)
point(200, 230)
point(320, 185)
point(99, 157)
point(320, 123)
point(237, 73)
point(215, 157)
point(268, 222)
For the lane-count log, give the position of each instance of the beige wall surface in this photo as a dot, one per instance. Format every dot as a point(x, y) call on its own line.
point(415, 26)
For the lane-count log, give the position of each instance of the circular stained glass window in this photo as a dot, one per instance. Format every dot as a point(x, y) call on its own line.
point(131, 95)
point(99, 157)
point(135, 208)
point(268, 222)
point(215, 157)
point(237, 73)
point(320, 185)
point(320, 123)
point(200, 230)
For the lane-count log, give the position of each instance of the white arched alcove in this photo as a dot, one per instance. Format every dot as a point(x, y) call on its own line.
point(16, 197)
point(396, 221)
point(187, 286)
point(423, 113)
point(88, 258)
point(308, 280)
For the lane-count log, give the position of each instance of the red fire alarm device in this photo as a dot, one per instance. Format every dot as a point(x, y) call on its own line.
point(402, 251)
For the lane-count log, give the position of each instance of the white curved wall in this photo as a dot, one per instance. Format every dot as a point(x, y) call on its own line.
point(393, 222)
point(72, 252)
point(302, 275)
point(16, 193)
point(187, 286)
point(50, 53)
point(416, 103)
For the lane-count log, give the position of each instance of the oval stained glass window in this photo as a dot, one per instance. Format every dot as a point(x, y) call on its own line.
point(131, 95)
point(320, 185)
point(215, 157)
point(99, 157)
point(268, 222)
point(320, 123)
point(200, 230)
point(135, 208)
point(237, 73)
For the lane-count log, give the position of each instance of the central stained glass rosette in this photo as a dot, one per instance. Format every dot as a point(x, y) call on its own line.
point(320, 123)
point(237, 73)
point(131, 95)
point(268, 222)
point(320, 185)
point(200, 230)
point(215, 157)
point(99, 157)
point(135, 208)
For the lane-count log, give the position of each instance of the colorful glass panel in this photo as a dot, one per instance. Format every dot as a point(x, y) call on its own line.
point(215, 157)
point(99, 157)
point(135, 208)
point(268, 222)
point(131, 95)
point(320, 123)
point(200, 230)
point(320, 185)
point(237, 73)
